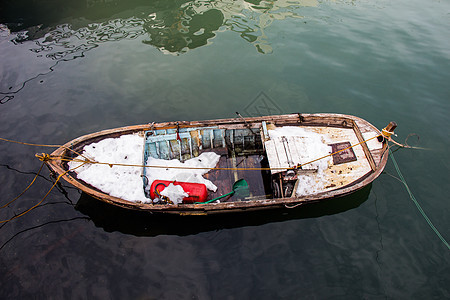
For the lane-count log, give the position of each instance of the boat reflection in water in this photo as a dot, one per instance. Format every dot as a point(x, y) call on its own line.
point(112, 218)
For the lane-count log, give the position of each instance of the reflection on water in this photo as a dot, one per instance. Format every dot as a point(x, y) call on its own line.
point(112, 218)
point(171, 27)
point(60, 44)
point(194, 23)
point(182, 30)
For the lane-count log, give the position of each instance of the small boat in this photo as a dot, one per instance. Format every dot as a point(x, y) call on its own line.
point(225, 165)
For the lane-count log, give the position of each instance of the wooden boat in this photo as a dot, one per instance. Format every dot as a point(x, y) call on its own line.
point(257, 149)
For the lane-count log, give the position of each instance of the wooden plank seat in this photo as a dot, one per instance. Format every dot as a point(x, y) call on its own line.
point(285, 152)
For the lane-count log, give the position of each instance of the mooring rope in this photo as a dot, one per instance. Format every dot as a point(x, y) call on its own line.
point(34, 179)
point(42, 200)
point(46, 157)
point(415, 200)
point(29, 144)
point(406, 145)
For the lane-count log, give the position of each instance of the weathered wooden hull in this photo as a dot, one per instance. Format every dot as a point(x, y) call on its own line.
point(373, 157)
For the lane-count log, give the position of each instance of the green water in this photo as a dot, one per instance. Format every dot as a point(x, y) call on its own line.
point(72, 68)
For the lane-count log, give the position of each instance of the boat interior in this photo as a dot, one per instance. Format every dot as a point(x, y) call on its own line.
point(280, 162)
point(239, 148)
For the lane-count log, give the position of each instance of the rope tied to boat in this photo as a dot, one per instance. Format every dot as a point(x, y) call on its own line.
point(43, 157)
point(46, 158)
point(86, 160)
point(43, 198)
point(386, 133)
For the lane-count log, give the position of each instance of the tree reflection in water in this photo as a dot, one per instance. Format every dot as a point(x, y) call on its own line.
point(173, 27)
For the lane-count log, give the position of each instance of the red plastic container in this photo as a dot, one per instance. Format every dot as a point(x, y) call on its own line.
point(197, 191)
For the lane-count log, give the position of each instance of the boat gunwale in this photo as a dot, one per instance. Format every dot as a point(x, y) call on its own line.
point(60, 167)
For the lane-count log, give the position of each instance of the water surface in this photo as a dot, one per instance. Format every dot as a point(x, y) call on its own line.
point(75, 68)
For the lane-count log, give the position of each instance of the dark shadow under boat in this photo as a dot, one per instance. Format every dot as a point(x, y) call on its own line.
point(112, 218)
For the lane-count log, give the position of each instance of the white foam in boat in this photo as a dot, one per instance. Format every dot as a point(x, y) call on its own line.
point(125, 182)
point(175, 193)
point(204, 162)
